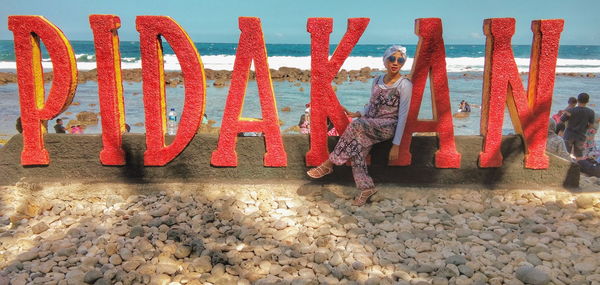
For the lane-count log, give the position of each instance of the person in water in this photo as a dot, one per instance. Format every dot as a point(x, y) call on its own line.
point(464, 107)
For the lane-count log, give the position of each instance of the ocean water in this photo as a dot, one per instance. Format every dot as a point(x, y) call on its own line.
point(461, 60)
point(220, 56)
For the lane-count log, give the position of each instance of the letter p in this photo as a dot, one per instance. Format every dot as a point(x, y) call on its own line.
point(28, 30)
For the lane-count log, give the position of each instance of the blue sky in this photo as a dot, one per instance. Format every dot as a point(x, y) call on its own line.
point(284, 21)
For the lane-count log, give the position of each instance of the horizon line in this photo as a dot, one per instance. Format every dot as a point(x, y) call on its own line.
point(366, 44)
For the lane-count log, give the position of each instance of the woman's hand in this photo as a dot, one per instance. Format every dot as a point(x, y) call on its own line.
point(353, 114)
point(394, 152)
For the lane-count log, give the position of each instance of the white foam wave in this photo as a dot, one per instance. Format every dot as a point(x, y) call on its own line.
point(225, 62)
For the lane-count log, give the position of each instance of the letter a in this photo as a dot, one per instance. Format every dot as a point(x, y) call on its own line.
point(502, 84)
point(430, 58)
point(28, 30)
point(251, 47)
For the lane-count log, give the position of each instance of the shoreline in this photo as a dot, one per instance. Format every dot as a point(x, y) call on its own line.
point(222, 77)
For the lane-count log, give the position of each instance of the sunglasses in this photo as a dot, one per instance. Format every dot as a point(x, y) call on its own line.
point(399, 59)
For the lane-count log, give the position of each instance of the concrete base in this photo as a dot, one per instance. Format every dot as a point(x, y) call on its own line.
point(74, 158)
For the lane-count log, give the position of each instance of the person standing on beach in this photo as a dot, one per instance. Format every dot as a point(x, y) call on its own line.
point(59, 128)
point(383, 119)
point(578, 119)
point(19, 125)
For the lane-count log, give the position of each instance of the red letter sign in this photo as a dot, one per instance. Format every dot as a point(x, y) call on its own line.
point(28, 30)
point(151, 28)
point(110, 87)
point(501, 84)
point(251, 47)
point(430, 58)
point(323, 101)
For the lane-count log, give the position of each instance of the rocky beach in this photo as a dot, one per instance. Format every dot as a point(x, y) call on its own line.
point(296, 234)
point(222, 77)
point(292, 87)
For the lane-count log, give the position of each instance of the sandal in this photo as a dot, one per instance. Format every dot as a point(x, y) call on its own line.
point(319, 171)
point(364, 196)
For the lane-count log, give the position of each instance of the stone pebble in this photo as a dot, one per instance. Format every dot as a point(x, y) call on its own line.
point(249, 236)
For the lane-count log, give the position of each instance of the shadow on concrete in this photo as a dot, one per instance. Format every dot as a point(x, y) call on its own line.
point(75, 158)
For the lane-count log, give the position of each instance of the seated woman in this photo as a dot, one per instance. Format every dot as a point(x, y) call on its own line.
point(383, 119)
point(556, 144)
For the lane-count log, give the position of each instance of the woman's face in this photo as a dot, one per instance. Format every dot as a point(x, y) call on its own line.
point(394, 62)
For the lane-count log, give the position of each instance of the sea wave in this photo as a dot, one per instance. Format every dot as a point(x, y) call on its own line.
point(225, 62)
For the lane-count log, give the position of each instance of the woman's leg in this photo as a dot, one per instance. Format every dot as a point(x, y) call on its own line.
point(360, 170)
point(343, 151)
point(363, 180)
point(355, 145)
point(350, 143)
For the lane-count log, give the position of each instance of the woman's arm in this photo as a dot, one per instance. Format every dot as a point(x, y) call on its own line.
point(403, 106)
point(405, 89)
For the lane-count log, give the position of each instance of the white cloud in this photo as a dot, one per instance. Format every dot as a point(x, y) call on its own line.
point(477, 36)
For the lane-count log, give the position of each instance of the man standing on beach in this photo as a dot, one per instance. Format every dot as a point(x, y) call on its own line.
point(59, 128)
point(579, 119)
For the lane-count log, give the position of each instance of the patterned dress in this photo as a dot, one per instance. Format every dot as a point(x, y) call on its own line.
point(384, 118)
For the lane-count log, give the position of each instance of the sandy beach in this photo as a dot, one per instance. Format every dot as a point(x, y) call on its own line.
point(293, 234)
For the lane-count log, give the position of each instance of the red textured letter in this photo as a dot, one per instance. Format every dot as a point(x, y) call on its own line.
point(501, 84)
point(151, 28)
point(323, 101)
point(430, 59)
point(110, 87)
point(251, 47)
point(28, 30)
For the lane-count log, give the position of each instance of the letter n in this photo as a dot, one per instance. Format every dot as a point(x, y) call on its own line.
point(151, 29)
point(251, 47)
point(323, 102)
point(110, 87)
point(430, 59)
point(529, 110)
point(28, 30)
